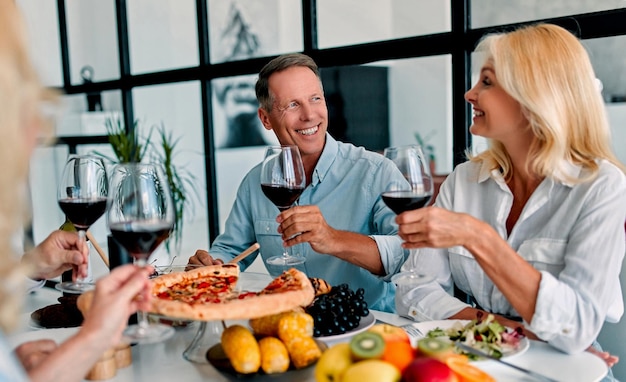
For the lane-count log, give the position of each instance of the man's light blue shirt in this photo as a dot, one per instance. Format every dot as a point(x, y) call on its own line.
point(346, 187)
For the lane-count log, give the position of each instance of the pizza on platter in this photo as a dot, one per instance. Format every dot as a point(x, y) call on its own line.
point(210, 293)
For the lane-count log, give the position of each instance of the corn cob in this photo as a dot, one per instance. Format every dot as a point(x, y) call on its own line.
point(274, 355)
point(268, 325)
point(242, 349)
point(295, 324)
point(303, 351)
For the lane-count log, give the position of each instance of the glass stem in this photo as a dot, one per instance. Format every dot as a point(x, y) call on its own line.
point(142, 320)
point(82, 235)
point(142, 317)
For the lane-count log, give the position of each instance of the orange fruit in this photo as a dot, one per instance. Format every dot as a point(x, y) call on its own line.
point(398, 353)
point(466, 371)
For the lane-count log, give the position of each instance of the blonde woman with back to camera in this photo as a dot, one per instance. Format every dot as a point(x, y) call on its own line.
point(531, 229)
point(21, 125)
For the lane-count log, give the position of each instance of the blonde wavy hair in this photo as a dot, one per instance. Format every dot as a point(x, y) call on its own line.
point(547, 70)
point(21, 122)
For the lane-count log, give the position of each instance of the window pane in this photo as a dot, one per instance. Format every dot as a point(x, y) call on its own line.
point(178, 108)
point(76, 120)
point(360, 21)
point(163, 34)
point(420, 106)
point(249, 28)
point(92, 35)
point(239, 135)
point(45, 172)
point(235, 121)
point(607, 57)
point(42, 24)
point(498, 12)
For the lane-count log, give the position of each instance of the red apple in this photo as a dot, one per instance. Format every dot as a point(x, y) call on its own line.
point(428, 370)
point(391, 333)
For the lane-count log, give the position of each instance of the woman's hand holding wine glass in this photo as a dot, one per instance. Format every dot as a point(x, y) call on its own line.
point(282, 181)
point(82, 195)
point(140, 217)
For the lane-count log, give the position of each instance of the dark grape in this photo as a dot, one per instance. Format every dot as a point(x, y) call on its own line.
point(338, 311)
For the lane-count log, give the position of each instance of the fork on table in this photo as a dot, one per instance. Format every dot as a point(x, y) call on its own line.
point(413, 331)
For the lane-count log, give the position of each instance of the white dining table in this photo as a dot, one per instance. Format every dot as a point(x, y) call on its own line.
point(164, 361)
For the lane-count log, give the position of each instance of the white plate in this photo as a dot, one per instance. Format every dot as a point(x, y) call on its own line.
point(365, 323)
point(427, 326)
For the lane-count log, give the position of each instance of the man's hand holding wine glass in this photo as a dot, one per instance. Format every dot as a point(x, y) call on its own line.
point(306, 224)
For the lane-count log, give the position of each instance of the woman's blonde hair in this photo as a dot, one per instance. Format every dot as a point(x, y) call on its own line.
point(547, 70)
point(21, 97)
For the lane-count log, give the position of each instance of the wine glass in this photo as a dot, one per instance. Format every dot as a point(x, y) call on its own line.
point(82, 195)
point(140, 217)
point(415, 193)
point(282, 182)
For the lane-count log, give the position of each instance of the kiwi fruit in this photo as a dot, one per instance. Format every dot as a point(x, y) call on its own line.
point(367, 345)
point(433, 347)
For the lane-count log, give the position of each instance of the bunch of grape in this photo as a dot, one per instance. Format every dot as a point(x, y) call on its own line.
point(337, 311)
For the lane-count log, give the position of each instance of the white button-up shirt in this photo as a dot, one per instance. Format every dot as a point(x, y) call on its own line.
point(572, 233)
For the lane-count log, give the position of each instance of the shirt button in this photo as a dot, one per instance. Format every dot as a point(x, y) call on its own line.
point(267, 229)
point(413, 312)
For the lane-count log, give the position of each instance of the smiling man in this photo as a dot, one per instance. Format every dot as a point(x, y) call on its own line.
point(340, 225)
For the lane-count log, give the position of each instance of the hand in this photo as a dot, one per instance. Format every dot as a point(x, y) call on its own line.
point(59, 252)
point(118, 295)
point(202, 257)
point(605, 356)
point(305, 224)
point(432, 227)
point(32, 353)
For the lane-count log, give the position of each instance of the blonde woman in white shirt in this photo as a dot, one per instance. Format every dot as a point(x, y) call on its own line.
point(532, 228)
point(21, 126)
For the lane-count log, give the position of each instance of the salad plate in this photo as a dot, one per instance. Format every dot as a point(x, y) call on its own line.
point(429, 326)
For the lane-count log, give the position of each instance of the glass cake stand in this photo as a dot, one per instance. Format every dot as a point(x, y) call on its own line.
point(210, 332)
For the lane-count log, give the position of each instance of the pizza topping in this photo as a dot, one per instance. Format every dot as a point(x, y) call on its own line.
point(285, 282)
point(207, 290)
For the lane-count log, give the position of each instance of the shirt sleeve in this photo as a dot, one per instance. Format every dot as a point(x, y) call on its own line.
point(572, 307)
point(432, 299)
point(239, 229)
point(32, 285)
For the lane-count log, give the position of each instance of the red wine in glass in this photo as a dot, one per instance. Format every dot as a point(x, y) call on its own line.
point(83, 212)
point(283, 197)
point(141, 216)
point(401, 201)
point(140, 239)
point(282, 181)
point(82, 196)
point(417, 188)
point(414, 192)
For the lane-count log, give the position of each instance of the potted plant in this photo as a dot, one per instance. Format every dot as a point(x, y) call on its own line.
point(129, 147)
